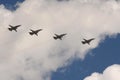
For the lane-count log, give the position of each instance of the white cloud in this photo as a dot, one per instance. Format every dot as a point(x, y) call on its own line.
point(111, 73)
point(25, 57)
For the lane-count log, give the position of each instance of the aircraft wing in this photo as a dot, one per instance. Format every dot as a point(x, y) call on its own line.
point(92, 39)
point(63, 34)
point(18, 26)
point(39, 30)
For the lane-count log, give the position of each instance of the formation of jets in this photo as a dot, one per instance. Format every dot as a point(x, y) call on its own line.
point(60, 36)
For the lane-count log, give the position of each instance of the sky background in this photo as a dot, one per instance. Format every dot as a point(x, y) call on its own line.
point(11, 5)
point(97, 60)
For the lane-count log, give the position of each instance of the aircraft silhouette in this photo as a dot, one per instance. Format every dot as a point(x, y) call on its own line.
point(87, 41)
point(13, 27)
point(34, 32)
point(59, 36)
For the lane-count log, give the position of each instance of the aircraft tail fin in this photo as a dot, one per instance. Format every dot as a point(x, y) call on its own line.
point(55, 38)
point(83, 42)
point(11, 26)
point(10, 29)
point(30, 33)
point(56, 35)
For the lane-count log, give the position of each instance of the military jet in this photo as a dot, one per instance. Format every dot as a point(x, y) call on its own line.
point(59, 36)
point(87, 41)
point(34, 32)
point(13, 27)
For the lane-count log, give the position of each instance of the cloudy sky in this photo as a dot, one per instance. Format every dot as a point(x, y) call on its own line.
point(25, 57)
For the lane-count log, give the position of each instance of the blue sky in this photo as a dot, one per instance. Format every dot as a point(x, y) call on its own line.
point(10, 4)
point(106, 54)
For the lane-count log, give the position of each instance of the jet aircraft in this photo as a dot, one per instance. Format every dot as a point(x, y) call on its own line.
point(59, 36)
point(34, 32)
point(13, 27)
point(87, 41)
